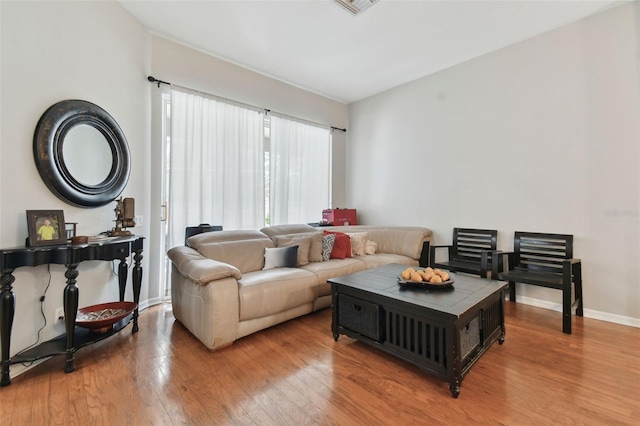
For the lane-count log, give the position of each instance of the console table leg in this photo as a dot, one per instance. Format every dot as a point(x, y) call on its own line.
point(137, 284)
point(8, 307)
point(123, 270)
point(70, 312)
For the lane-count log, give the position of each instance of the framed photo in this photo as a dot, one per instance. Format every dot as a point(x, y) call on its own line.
point(46, 227)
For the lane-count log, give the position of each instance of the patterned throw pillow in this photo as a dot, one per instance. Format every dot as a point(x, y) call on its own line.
point(327, 245)
point(342, 245)
point(280, 257)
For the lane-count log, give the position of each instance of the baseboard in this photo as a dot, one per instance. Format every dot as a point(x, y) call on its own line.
point(148, 303)
point(18, 369)
point(588, 313)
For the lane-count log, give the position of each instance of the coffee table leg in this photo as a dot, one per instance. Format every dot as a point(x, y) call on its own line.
point(455, 389)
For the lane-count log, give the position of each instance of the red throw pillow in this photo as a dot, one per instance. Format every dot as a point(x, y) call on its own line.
point(342, 246)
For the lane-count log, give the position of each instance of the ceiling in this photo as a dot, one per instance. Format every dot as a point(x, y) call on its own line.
point(319, 46)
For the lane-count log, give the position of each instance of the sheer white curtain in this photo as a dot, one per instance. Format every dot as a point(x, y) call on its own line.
point(299, 171)
point(216, 164)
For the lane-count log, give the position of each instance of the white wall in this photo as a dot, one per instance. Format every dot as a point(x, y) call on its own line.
point(540, 136)
point(53, 51)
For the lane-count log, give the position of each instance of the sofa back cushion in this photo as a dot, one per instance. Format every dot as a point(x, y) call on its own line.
point(303, 242)
point(403, 240)
point(281, 233)
point(243, 249)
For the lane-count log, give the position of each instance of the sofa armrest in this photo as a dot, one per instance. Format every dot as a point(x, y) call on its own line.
point(199, 269)
point(204, 296)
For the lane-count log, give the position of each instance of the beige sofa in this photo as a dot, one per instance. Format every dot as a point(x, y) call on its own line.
point(220, 291)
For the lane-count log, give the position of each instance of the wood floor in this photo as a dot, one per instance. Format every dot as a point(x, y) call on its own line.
point(295, 374)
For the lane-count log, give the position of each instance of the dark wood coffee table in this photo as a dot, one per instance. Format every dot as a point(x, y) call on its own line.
point(442, 331)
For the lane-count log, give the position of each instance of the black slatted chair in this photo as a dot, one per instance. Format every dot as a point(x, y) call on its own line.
point(470, 252)
point(545, 260)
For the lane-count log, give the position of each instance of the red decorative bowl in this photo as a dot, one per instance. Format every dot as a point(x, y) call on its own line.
point(100, 318)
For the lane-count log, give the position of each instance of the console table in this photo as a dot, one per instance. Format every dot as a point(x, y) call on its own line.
point(69, 255)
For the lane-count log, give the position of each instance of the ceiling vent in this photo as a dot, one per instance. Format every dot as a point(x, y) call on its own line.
point(356, 6)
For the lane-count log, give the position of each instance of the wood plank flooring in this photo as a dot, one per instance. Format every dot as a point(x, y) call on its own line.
point(295, 374)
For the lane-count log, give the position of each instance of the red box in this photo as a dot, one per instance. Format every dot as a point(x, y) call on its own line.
point(340, 217)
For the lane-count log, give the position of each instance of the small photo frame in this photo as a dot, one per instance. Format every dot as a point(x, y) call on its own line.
point(70, 228)
point(46, 227)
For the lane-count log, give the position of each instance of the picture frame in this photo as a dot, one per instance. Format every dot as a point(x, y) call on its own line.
point(70, 228)
point(46, 227)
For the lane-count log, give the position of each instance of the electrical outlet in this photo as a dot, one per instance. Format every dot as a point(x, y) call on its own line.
point(59, 315)
point(138, 220)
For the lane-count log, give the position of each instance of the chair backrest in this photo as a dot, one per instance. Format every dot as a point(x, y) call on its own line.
point(542, 252)
point(469, 243)
point(195, 230)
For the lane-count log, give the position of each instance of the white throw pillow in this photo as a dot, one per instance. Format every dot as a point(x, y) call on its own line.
point(371, 247)
point(358, 242)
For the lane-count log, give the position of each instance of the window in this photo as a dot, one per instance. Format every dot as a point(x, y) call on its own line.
point(216, 166)
point(235, 166)
point(299, 170)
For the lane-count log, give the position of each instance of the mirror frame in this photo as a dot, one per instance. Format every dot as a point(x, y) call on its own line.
point(48, 141)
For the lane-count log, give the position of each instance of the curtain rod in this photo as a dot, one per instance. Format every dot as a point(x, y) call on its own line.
point(152, 79)
point(155, 80)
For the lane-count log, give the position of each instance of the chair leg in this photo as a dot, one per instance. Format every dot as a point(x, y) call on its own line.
point(566, 304)
point(578, 287)
point(512, 291)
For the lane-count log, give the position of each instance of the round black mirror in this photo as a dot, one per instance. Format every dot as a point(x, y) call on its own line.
point(81, 153)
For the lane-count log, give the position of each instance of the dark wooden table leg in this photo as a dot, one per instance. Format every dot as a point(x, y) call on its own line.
point(334, 312)
point(70, 301)
point(8, 307)
point(454, 370)
point(502, 327)
point(137, 284)
point(123, 272)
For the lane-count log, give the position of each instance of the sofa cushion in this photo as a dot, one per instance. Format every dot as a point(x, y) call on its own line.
point(220, 236)
point(379, 259)
point(358, 242)
point(302, 241)
point(275, 290)
point(275, 230)
point(315, 252)
point(405, 240)
point(246, 255)
point(327, 245)
point(342, 245)
point(280, 257)
point(301, 230)
point(371, 247)
point(333, 268)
